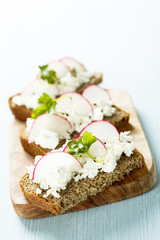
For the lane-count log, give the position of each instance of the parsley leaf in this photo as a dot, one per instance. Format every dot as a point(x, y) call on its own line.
point(49, 75)
point(47, 104)
point(88, 139)
point(79, 146)
point(39, 111)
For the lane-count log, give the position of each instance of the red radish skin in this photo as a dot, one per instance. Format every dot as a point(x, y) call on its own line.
point(106, 91)
point(81, 133)
point(102, 144)
point(64, 150)
point(52, 153)
point(63, 118)
point(41, 116)
point(67, 145)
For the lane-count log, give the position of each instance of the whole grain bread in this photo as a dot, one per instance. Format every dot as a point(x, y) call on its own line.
point(22, 113)
point(118, 119)
point(77, 192)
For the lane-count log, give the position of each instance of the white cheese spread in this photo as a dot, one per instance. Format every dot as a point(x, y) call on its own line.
point(108, 162)
point(29, 96)
point(48, 139)
point(102, 108)
point(35, 89)
point(70, 83)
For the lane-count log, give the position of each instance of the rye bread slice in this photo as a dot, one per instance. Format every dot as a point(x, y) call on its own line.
point(77, 192)
point(22, 113)
point(119, 118)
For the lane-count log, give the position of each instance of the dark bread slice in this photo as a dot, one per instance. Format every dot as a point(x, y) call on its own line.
point(118, 119)
point(77, 192)
point(22, 113)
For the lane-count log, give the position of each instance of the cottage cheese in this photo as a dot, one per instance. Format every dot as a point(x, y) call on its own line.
point(107, 163)
point(90, 169)
point(102, 108)
point(70, 83)
point(35, 89)
point(46, 138)
point(50, 139)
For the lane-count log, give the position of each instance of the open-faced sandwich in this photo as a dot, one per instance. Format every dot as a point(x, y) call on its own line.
point(55, 121)
point(84, 167)
point(55, 78)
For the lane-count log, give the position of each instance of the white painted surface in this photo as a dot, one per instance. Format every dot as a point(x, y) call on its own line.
point(119, 38)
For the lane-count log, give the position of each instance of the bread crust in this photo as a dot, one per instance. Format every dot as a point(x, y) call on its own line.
point(73, 194)
point(22, 113)
point(118, 119)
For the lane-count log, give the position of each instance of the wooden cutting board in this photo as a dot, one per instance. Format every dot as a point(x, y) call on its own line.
point(136, 183)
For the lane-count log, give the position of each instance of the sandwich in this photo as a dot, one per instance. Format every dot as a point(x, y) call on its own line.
point(87, 165)
point(54, 78)
point(56, 121)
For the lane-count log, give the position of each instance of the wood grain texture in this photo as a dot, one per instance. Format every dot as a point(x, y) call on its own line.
point(135, 184)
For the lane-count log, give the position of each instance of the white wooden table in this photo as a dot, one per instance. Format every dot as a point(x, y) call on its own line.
point(119, 38)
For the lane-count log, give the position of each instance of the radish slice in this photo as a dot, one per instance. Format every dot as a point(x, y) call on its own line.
point(38, 76)
point(72, 63)
point(65, 148)
point(47, 121)
point(98, 149)
point(52, 162)
point(95, 94)
point(39, 88)
point(59, 67)
point(103, 130)
point(75, 101)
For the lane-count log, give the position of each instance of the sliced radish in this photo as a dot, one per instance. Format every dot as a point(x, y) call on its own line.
point(39, 88)
point(65, 147)
point(98, 149)
point(59, 67)
point(52, 162)
point(75, 101)
point(72, 63)
point(103, 130)
point(95, 94)
point(38, 76)
point(47, 121)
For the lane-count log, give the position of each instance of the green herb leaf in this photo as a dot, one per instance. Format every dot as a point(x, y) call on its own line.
point(47, 105)
point(81, 145)
point(88, 139)
point(49, 75)
point(39, 111)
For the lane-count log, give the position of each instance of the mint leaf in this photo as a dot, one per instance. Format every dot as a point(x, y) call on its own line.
point(49, 75)
point(47, 105)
